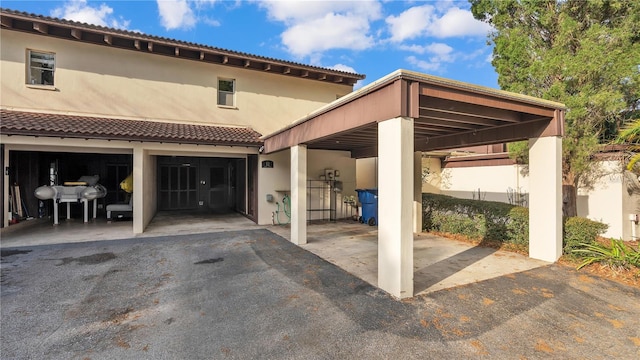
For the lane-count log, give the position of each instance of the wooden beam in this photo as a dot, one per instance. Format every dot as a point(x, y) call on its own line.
point(247, 63)
point(337, 79)
point(494, 135)
point(225, 59)
point(76, 33)
point(485, 100)
point(267, 67)
point(287, 70)
point(305, 74)
point(150, 46)
point(41, 28)
point(108, 39)
point(136, 44)
point(458, 118)
point(201, 55)
point(465, 108)
point(322, 77)
point(177, 51)
point(7, 22)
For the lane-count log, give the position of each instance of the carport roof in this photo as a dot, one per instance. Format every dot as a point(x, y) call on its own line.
point(85, 127)
point(447, 114)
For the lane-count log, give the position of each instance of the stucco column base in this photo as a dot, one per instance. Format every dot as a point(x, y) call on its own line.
point(545, 198)
point(395, 206)
point(299, 194)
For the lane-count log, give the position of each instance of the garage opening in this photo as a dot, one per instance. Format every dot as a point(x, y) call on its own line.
point(216, 185)
point(30, 169)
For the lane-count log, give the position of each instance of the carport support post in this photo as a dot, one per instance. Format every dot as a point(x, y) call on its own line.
point(299, 194)
point(545, 198)
point(417, 192)
point(138, 190)
point(395, 206)
point(5, 185)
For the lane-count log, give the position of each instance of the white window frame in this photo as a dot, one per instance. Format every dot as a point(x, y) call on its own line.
point(30, 78)
point(226, 93)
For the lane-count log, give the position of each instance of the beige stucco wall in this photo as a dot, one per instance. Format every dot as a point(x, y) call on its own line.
point(101, 80)
point(277, 181)
point(433, 182)
point(367, 173)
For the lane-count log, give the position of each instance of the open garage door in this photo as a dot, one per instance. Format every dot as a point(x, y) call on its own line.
point(207, 184)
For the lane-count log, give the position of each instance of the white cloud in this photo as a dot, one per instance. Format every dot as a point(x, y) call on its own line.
point(332, 31)
point(441, 21)
point(79, 10)
point(317, 26)
point(293, 12)
point(342, 67)
point(176, 14)
point(423, 65)
point(410, 23)
point(458, 23)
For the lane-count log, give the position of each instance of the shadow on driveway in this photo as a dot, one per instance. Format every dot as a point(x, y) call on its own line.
point(252, 294)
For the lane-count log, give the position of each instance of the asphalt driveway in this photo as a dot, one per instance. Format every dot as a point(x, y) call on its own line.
point(251, 294)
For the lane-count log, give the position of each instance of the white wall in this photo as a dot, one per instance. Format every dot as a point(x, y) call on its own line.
point(276, 181)
point(607, 202)
point(493, 183)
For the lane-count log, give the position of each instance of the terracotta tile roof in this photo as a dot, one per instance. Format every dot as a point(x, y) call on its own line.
point(85, 127)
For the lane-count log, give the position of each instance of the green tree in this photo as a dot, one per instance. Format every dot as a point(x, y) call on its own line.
point(630, 135)
point(585, 54)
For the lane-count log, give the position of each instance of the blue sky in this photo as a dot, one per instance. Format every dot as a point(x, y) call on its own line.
point(366, 36)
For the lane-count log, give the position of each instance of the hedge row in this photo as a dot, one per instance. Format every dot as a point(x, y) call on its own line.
point(496, 221)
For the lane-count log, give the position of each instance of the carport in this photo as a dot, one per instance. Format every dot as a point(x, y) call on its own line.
point(405, 113)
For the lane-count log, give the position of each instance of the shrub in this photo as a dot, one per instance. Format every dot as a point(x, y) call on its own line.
point(518, 226)
point(475, 219)
point(617, 256)
point(579, 231)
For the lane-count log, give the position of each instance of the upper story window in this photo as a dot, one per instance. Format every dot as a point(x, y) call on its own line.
point(40, 68)
point(226, 92)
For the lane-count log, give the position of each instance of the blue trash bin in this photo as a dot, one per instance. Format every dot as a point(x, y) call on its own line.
point(369, 200)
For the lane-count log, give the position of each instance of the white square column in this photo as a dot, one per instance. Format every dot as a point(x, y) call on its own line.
point(299, 194)
point(545, 198)
point(138, 190)
point(395, 206)
point(417, 192)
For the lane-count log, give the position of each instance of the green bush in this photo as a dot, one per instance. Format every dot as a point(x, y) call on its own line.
point(518, 226)
point(579, 231)
point(477, 219)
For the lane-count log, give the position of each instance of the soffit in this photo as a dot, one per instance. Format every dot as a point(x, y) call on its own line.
point(447, 114)
point(104, 36)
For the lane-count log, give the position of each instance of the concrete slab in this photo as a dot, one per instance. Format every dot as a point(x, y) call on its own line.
point(439, 263)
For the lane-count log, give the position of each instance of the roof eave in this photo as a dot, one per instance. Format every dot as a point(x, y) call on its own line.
point(98, 35)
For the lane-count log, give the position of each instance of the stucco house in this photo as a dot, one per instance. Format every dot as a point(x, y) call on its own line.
point(185, 119)
point(208, 129)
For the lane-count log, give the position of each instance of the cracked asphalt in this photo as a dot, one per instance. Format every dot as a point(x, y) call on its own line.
point(253, 295)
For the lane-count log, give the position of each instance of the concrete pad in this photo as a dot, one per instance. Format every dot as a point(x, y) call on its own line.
point(439, 263)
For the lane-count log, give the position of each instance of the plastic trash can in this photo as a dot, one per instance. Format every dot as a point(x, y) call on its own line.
point(369, 200)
